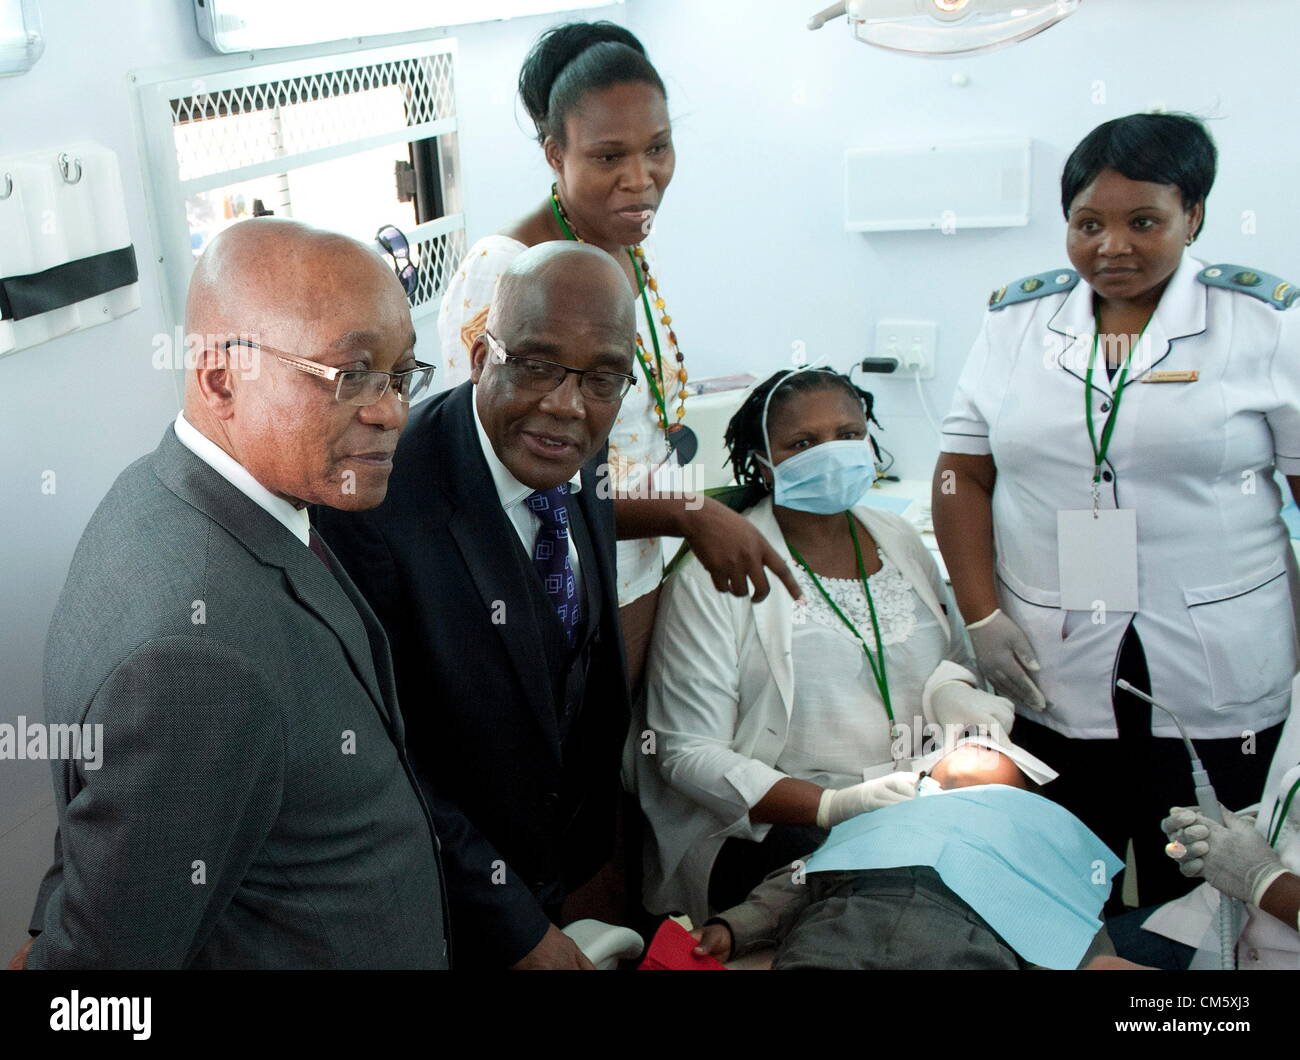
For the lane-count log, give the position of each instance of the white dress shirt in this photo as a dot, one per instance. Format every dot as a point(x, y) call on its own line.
point(513, 493)
point(293, 519)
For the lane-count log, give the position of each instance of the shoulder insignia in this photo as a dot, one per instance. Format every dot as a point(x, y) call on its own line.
point(1057, 281)
point(1262, 285)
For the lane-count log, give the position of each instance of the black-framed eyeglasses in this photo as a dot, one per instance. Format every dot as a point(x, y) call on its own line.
point(390, 237)
point(533, 373)
point(354, 386)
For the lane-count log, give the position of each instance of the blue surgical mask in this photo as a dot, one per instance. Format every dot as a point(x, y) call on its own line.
point(826, 479)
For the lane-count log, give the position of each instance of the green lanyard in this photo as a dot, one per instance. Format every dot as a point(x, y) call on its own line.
point(1280, 818)
point(1099, 451)
point(877, 664)
point(649, 317)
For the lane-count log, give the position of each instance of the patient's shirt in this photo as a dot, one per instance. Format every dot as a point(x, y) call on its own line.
point(839, 732)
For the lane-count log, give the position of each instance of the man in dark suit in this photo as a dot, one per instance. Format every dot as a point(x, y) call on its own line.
point(491, 566)
point(254, 807)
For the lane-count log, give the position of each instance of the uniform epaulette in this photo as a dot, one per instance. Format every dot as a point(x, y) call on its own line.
point(1262, 285)
point(1055, 282)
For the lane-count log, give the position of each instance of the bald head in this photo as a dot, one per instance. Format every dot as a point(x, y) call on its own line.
point(269, 275)
point(286, 290)
point(571, 305)
point(562, 275)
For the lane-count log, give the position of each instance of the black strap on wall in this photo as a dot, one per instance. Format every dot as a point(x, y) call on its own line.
point(39, 292)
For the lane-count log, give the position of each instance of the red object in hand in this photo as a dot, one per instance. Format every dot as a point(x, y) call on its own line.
point(673, 950)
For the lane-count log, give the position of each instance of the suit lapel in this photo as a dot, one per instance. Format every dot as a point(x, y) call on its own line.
point(496, 562)
point(341, 607)
point(333, 600)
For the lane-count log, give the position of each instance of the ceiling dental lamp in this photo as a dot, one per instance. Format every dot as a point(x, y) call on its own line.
point(940, 29)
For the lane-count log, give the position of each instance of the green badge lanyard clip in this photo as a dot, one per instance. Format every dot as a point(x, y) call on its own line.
point(877, 663)
point(649, 319)
point(1099, 451)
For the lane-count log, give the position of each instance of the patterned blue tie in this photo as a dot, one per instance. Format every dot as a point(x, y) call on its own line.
point(551, 555)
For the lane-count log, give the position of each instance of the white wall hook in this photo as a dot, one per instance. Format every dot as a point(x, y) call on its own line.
point(66, 162)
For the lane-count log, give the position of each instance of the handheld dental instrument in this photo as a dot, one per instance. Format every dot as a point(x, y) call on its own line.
point(1208, 803)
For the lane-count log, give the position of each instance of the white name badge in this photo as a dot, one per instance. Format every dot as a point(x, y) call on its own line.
point(1097, 557)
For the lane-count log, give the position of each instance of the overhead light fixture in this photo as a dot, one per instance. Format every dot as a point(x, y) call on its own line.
point(248, 25)
point(21, 43)
point(944, 28)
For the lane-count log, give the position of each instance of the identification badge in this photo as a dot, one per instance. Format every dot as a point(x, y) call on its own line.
point(1171, 377)
point(1097, 559)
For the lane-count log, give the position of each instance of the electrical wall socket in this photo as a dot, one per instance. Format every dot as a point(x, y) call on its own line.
point(913, 342)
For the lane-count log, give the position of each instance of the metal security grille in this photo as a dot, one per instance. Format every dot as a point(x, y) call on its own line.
point(266, 134)
point(304, 114)
point(436, 256)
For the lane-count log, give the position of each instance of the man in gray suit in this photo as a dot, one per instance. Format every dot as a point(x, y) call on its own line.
point(254, 807)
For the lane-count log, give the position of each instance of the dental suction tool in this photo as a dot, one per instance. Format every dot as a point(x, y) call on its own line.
point(1208, 804)
point(1205, 797)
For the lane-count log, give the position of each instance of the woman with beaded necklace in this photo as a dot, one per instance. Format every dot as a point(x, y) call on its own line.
point(601, 116)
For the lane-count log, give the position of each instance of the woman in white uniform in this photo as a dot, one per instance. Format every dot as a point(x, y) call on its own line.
point(774, 721)
point(1105, 499)
point(601, 115)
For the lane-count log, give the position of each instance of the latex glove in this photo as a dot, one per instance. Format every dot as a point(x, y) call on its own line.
point(1231, 857)
point(836, 807)
point(1180, 817)
point(1006, 659)
point(957, 703)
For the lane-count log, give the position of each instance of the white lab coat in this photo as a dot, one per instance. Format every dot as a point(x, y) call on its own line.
point(1195, 459)
point(1264, 941)
point(719, 692)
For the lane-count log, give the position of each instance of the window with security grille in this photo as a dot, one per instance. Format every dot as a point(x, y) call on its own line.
point(355, 143)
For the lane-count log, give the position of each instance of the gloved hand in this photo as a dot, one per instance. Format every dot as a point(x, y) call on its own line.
point(957, 703)
point(836, 807)
point(1231, 857)
point(1006, 659)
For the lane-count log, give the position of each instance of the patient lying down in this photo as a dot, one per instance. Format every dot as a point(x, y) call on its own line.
point(978, 871)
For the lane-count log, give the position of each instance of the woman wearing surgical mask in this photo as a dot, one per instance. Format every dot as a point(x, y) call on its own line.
point(769, 723)
point(600, 111)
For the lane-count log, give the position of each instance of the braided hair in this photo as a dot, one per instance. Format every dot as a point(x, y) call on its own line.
point(744, 437)
point(575, 58)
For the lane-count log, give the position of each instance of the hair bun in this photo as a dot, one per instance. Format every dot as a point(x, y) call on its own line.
point(557, 48)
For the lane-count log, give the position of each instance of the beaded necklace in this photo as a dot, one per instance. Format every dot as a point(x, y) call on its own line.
point(680, 437)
